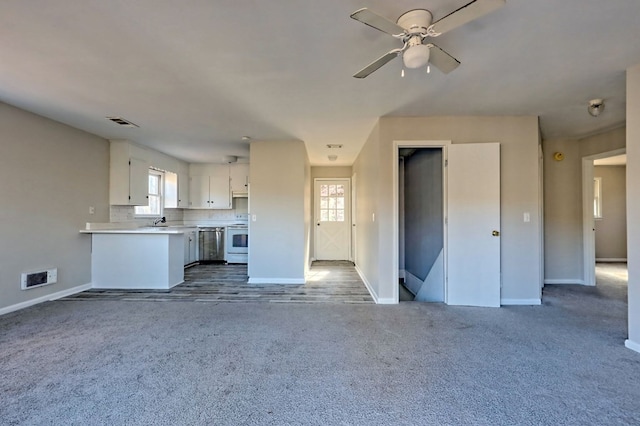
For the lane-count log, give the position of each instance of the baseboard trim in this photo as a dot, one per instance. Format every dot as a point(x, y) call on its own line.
point(632, 345)
point(276, 281)
point(564, 281)
point(515, 302)
point(611, 259)
point(49, 297)
point(376, 299)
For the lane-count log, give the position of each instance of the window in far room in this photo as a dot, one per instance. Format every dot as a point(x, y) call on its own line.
point(597, 198)
point(154, 208)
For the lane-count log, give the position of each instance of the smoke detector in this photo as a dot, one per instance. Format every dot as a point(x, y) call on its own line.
point(596, 106)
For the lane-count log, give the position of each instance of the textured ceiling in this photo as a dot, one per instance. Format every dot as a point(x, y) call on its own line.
point(197, 75)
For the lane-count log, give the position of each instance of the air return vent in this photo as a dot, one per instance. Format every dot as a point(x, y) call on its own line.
point(122, 122)
point(39, 278)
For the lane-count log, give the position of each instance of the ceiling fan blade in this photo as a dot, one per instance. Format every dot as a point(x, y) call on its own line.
point(376, 21)
point(466, 13)
point(373, 66)
point(441, 59)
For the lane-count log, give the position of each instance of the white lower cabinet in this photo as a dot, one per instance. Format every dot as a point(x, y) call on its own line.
point(190, 247)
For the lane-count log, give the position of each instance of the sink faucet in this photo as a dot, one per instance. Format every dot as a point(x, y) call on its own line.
point(159, 220)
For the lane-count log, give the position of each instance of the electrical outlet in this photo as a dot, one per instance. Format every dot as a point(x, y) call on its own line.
point(92, 210)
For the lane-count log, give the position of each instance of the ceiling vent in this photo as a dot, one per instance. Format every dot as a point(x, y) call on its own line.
point(122, 122)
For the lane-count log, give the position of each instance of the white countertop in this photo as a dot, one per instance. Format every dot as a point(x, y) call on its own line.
point(127, 228)
point(145, 230)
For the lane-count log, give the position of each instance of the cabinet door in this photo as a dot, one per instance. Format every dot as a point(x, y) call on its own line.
point(170, 190)
point(239, 174)
point(199, 192)
point(138, 182)
point(220, 195)
point(193, 249)
point(183, 190)
point(187, 248)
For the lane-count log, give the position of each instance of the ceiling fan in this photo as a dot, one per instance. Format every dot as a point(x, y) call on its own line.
point(415, 27)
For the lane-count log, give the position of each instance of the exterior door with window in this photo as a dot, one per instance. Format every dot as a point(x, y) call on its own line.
point(332, 219)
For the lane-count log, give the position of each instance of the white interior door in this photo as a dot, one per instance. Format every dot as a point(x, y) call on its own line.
point(332, 219)
point(473, 237)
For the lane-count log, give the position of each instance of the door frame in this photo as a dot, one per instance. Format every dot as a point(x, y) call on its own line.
point(348, 202)
point(443, 144)
point(588, 222)
point(352, 252)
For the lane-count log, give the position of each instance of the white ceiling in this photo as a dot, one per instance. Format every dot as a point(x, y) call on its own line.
point(197, 75)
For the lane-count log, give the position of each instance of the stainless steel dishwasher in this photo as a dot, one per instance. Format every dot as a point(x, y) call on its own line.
point(211, 245)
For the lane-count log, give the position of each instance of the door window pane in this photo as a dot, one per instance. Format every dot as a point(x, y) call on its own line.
point(332, 203)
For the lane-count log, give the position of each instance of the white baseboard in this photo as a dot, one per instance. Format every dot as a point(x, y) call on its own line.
point(527, 302)
point(276, 280)
point(376, 299)
point(632, 345)
point(564, 281)
point(53, 296)
point(611, 259)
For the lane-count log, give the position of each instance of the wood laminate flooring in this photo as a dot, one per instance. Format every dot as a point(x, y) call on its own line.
point(327, 282)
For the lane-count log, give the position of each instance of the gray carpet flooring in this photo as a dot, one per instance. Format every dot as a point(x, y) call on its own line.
point(106, 362)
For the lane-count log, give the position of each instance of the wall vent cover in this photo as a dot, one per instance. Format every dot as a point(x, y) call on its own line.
point(39, 278)
point(122, 122)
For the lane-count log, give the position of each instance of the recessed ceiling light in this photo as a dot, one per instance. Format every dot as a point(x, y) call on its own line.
point(122, 122)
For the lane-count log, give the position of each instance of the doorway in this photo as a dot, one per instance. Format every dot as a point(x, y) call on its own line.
point(332, 212)
point(447, 221)
point(422, 232)
point(604, 211)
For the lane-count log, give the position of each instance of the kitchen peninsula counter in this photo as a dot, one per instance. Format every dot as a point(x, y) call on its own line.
point(137, 258)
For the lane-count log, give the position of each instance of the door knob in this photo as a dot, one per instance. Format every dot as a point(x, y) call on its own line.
point(496, 233)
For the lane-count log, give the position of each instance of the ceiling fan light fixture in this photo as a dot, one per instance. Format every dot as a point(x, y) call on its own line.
point(416, 56)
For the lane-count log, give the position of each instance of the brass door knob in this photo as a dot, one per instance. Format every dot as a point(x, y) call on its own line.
point(496, 233)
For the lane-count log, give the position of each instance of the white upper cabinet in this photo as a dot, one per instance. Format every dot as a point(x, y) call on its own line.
point(129, 176)
point(209, 188)
point(170, 190)
point(183, 185)
point(239, 174)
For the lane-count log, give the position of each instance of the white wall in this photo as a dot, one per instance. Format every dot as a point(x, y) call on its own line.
point(365, 167)
point(279, 238)
point(563, 232)
point(633, 204)
point(518, 136)
point(611, 229)
point(51, 174)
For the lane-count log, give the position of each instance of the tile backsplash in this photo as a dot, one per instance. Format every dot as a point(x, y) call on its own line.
point(126, 214)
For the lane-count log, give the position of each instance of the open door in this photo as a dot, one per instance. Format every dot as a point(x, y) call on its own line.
point(473, 235)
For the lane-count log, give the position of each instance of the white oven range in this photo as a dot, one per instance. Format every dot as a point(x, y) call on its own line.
point(237, 243)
